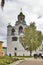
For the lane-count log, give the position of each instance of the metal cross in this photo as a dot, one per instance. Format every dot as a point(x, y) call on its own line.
point(21, 9)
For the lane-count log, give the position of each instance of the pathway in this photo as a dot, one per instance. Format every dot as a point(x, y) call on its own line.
point(30, 61)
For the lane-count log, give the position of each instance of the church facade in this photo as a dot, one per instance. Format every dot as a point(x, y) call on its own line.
point(14, 46)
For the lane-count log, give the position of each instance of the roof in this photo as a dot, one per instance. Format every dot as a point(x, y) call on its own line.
point(4, 47)
point(21, 14)
point(9, 26)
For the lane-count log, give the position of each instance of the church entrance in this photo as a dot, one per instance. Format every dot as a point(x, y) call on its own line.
point(15, 54)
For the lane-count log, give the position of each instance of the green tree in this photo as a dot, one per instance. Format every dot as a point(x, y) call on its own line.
point(2, 3)
point(31, 38)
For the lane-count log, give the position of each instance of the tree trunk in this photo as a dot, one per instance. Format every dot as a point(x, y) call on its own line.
point(30, 53)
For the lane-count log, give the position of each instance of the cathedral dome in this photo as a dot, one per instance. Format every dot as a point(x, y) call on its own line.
point(9, 25)
point(21, 16)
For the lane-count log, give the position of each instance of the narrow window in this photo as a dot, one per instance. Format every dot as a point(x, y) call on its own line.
point(15, 48)
point(20, 29)
point(12, 32)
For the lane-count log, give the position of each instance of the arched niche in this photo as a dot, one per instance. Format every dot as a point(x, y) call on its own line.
point(20, 29)
point(12, 31)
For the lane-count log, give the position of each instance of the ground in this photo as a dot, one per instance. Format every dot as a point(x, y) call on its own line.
point(30, 61)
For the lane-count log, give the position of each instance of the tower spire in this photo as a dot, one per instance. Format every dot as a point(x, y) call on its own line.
point(21, 9)
point(9, 23)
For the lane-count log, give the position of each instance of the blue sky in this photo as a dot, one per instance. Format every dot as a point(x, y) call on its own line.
point(32, 9)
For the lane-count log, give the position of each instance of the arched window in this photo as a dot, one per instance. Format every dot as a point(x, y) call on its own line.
point(12, 31)
point(20, 29)
point(15, 48)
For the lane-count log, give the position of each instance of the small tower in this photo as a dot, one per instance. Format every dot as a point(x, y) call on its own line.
point(9, 27)
point(9, 44)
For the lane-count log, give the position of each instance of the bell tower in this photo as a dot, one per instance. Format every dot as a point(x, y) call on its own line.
point(14, 45)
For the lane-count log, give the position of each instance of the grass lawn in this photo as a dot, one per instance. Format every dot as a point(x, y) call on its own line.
point(5, 60)
point(22, 57)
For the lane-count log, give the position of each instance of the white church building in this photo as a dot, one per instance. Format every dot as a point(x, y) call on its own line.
point(14, 46)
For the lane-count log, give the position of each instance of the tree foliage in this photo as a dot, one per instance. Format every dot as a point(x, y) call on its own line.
point(2, 3)
point(32, 38)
